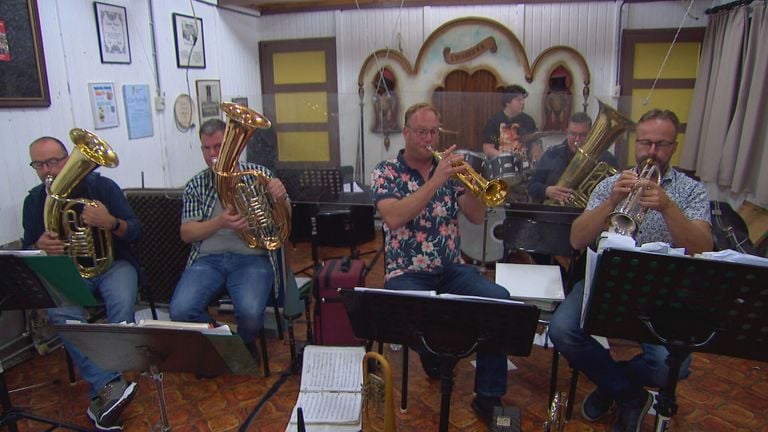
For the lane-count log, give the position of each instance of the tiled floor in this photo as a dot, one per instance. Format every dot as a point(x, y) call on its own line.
point(722, 394)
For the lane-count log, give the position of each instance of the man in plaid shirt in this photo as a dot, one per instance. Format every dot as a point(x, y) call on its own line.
point(220, 260)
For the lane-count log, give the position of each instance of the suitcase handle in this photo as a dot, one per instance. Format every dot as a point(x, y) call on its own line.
point(346, 263)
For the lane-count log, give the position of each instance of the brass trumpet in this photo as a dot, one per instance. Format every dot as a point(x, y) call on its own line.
point(629, 214)
point(491, 192)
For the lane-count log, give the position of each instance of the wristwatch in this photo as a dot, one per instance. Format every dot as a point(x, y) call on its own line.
point(116, 225)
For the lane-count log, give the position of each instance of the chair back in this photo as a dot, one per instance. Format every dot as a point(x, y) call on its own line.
point(162, 254)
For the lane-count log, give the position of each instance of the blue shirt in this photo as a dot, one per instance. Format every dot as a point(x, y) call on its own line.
point(94, 187)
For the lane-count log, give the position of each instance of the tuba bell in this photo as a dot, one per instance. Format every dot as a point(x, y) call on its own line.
point(377, 394)
point(89, 247)
point(491, 192)
point(586, 169)
point(629, 214)
point(269, 222)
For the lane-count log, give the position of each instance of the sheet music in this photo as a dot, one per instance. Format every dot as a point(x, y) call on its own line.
point(735, 257)
point(325, 407)
point(332, 369)
point(23, 252)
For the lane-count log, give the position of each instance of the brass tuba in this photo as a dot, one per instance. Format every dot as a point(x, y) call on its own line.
point(377, 390)
point(556, 414)
point(629, 214)
point(269, 222)
point(491, 192)
point(89, 247)
point(586, 169)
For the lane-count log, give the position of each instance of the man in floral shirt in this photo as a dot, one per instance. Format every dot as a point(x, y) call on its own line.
point(419, 199)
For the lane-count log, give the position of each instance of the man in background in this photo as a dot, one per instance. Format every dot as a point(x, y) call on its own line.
point(504, 130)
point(117, 286)
point(555, 160)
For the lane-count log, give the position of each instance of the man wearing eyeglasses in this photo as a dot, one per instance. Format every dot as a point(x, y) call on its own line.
point(678, 215)
point(109, 392)
point(419, 198)
point(555, 160)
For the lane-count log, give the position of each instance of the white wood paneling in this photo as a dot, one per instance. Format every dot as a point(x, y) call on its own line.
point(171, 156)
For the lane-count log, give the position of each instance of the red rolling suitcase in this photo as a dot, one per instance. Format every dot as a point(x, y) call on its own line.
point(331, 322)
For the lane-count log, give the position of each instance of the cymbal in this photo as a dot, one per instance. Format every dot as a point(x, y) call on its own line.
point(540, 134)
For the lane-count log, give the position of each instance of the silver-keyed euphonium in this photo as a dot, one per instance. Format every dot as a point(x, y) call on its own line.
point(629, 214)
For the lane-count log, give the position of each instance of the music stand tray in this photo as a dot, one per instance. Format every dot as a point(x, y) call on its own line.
point(137, 348)
point(452, 327)
point(686, 304)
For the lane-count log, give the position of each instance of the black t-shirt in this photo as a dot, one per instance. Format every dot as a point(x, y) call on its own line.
point(526, 125)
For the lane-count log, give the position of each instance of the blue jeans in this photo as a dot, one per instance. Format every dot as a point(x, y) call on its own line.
point(620, 380)
point(117, 287)
point(491, 372)
point(247, 278)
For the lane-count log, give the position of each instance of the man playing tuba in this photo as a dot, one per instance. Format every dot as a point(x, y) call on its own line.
point(110, 393)
point(221, 260)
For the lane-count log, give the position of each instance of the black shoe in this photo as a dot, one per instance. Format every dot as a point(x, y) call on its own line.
point(483, 406)
point(595, 406)
point(431, 365)
point(631, 413)
point(105, 410)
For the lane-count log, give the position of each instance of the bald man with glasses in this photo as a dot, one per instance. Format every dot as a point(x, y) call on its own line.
point(117, 286)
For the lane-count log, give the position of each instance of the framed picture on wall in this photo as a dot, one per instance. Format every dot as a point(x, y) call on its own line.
point(190, 43)
point(208, 99)
point(22, 63)
point(112, 26)
point(103, 105)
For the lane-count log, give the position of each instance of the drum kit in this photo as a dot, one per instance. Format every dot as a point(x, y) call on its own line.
point(515, 170)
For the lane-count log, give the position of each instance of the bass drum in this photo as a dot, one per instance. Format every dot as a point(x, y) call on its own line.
point(472, 236)
point(474, 159)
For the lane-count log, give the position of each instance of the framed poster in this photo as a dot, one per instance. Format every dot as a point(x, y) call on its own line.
point(208, 99)
point(190, 43)
point(103, 105)
point(24, 80)
point(112, 27)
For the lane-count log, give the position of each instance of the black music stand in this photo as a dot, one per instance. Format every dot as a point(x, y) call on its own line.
point(21, 288)
point(687, 304)
point(152, 349)
point(451, 328)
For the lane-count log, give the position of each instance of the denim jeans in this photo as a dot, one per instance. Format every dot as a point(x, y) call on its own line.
point(247, 278)
point(620, 380)
point(117, 287)
point(491, 372)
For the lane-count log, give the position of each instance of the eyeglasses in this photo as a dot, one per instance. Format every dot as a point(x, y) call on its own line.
point(659, 144)
point(423, 133)
point(50, 163)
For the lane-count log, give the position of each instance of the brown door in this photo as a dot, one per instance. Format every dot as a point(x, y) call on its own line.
point(298, 82)
point(642, 53)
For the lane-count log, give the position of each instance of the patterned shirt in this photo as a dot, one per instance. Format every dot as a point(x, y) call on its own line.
point(200, 198)
point(431, 239)
point(689, 195)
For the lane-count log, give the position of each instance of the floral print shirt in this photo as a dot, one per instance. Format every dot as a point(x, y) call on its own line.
point(689, 195)
point(430, 240)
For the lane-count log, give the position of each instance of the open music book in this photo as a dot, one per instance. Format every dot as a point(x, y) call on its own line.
point(330, 394)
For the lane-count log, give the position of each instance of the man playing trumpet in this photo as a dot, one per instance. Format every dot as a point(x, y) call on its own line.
point(678, 214)
point(419, 199)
